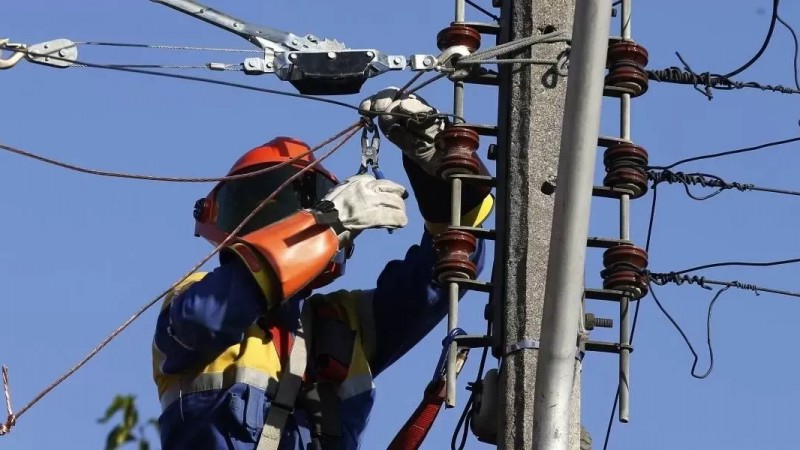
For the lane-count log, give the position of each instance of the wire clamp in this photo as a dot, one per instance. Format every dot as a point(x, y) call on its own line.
point(58, 53)
point(533, 344)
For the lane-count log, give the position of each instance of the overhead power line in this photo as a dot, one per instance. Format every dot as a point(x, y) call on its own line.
point(727, 153)
point(233, 85)
point(708, 180)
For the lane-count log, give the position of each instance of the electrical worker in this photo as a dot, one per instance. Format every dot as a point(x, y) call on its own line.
point(245, 357)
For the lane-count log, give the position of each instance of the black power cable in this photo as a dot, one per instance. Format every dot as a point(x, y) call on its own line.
point(726, 153)
point(686, 338)
point(796, 51)
point(764, 45)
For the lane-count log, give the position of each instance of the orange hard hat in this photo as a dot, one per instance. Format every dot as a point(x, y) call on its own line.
point(230, 202)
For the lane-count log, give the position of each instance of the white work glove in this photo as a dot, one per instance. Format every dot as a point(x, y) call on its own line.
point(364, 202)
point(414, 137)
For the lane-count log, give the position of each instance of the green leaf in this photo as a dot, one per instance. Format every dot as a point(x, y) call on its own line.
point(120, 402)
point(131, 416)
point(117, 437)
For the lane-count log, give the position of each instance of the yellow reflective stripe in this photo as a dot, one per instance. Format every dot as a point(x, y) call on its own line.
point(255, 352)
point(473, 218)
point(219, 380)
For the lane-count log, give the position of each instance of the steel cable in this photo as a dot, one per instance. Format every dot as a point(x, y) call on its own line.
point(133, 176)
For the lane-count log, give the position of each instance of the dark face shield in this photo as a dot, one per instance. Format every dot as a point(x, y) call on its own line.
point(236, 199)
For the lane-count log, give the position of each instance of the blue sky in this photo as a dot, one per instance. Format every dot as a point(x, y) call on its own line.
point(82, 253)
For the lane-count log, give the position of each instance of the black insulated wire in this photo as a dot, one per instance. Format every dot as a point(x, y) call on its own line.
point(674, 323)
point(764, 45)
point(482, 9)
point(726, 153)
point(796, 51)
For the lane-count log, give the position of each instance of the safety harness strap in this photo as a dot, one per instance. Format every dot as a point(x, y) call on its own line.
point(282, 406)
point(413, 433)
point(416, 428)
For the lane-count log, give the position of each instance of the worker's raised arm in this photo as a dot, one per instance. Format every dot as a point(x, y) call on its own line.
point(205, 315)
point(407, 301)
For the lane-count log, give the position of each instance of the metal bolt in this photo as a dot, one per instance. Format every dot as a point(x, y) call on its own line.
point(235, 25)
point(371, 54)
point(251, 63)
point(293, 56)
point(332, 55)
point(62, 53)
point(591, 322)
point(397, 60)
point(270, 65)
point(428, 61)
point(312, 38)
point(46, 46)
point(295, 42)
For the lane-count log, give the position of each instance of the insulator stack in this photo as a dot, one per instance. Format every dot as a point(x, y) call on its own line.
point(626, 67)
point(460, 143)
point(459, 34)
point(454, 249)
point(625, 266)
point(626, 165)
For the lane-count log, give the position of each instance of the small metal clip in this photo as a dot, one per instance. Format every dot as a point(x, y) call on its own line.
point(11, 61)
point(370, 146)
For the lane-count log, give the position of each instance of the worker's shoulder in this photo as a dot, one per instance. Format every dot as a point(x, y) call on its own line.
point(183, 285)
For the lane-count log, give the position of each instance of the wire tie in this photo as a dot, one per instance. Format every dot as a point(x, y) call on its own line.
point(533, 344)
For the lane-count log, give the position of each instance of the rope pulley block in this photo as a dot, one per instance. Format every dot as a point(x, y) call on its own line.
point(454, 249)
point(626, 168)
point(625, 266)
point(460, 144)
point(459, 34)
point(626, 62)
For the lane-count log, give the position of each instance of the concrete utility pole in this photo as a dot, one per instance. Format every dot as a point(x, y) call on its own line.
point(573, 197)
point(529, 135)
point(531, 113)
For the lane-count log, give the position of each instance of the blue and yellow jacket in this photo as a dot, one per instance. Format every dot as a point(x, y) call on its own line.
point(216, 360)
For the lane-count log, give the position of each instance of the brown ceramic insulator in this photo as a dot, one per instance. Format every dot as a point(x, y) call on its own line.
point(460, 144)
point(628, 178)
point(454, 249)
point(459, 34)
point(629, 154)
point(625, 280)
point(626, 50)
point(626, 61)
point(625, 254)
point(632, 79)
point(625, 166)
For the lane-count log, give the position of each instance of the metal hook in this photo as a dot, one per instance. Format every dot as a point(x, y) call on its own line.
point(14, 58)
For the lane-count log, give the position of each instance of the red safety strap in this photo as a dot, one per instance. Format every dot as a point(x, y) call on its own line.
point(415, 430)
